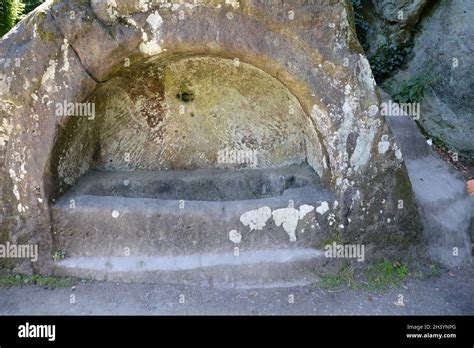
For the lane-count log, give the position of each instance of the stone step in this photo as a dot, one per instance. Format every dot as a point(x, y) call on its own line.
point(198, 185)
point(255, 268)
point(93, 225)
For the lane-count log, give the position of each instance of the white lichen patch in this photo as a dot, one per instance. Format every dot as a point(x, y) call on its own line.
point(64, 50)
point(47, 81)
point(152, 47)
point(323, 208)
point(398, 152)
point(131, 22)
point(342, 31)
point(331, 219)
point(5, 83)
point(365, 73)
point(6, 129)
point(256, 219)
point(16, 193)
point(288, 217)
point(383, 145)
point(361, 155)
point(21, 208)
point(143, 5)
point(155, 21)
point(235, 236)
point(111, 8)
point(373, 110)
point(234, 3)
point(350, 104)
point(17, 177)
point(304, 210)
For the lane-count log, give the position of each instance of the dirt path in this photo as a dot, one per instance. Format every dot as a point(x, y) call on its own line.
point(449, 294)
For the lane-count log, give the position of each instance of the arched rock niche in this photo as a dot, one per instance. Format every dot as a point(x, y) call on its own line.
point(185, 113)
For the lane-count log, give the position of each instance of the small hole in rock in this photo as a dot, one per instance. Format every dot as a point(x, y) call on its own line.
point(187, 97)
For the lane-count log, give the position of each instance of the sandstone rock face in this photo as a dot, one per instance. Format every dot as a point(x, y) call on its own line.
point(303, 55)
point(443, 56)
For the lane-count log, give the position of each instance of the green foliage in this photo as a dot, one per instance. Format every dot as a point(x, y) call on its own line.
point(9, 280)
point(402, 271)
point(435, 271)
point(385, 274)
point(380, 275)
point(30, 5)
point(344, 278)
point(58, 255)
point(387, 59)
point(12, 11)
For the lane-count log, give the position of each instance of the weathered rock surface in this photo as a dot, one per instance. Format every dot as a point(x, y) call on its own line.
point(444, 56)
point(385, 28)
point(427, 45)
point(63, 51)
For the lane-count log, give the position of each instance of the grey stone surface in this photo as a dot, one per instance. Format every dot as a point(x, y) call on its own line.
point(257, 268)
point(200, 184)
point(446, 209)
point(107, 223)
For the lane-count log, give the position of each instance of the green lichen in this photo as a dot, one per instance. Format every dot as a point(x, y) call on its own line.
point(45, 35)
